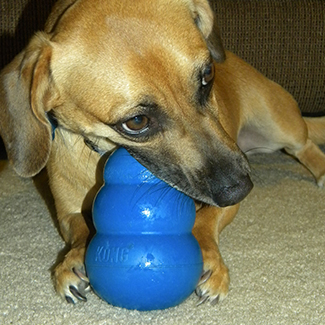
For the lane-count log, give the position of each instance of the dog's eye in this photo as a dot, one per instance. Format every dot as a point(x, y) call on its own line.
point(206, 79)
point(136, 125)
point(208, 74)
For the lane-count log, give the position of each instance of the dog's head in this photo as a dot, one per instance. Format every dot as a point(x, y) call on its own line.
point(137, 74)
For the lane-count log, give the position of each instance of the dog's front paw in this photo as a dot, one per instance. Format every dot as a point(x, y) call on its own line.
point(70, 278)
point(214, 282)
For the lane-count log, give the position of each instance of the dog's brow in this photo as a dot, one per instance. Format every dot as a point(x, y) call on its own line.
point(147, 102)
point(151, 109)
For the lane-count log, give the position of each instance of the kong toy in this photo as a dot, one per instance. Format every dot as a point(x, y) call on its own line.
point(144, 255)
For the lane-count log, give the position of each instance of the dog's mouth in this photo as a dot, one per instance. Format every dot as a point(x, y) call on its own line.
point(220, 184)
point(223, 179)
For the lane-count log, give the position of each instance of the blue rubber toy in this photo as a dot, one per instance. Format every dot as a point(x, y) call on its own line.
point(144, 255)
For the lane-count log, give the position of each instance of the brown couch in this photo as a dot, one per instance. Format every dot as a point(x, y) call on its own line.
point(284, 39)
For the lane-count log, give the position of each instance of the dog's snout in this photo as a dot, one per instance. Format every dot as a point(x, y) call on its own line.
point(233, 191)
point(229, 179)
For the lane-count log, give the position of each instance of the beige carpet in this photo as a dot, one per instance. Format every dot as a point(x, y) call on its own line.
point(275, 250)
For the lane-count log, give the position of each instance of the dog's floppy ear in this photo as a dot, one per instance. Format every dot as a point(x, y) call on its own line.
point(206, 21)
point(25, 92)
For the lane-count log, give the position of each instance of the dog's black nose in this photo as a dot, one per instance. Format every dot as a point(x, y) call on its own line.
point(233, 192)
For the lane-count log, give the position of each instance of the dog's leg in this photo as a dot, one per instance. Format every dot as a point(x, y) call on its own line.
point(69, 276)
point(72, 174)
point(312, 157)
point(280, 126)
point(208, 224)
point(293, 136)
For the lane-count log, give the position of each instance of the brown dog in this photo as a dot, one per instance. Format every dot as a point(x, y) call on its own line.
point(151, 76)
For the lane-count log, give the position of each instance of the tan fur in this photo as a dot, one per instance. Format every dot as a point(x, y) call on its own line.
point(99, 63)
point(316, 131)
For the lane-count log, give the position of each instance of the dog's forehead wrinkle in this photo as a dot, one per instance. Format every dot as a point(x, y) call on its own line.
point(126, 24)
point(128, 27)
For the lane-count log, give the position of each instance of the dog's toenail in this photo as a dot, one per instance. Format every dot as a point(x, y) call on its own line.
point(198, 292)
point(205, 277)
point(80, 275)
point(215, 301)
point(69, 300)
point(77, 294)
point(202, 300)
